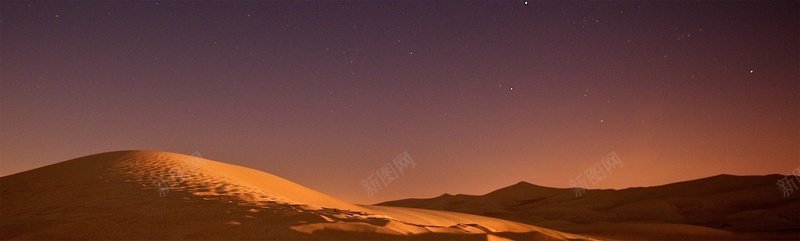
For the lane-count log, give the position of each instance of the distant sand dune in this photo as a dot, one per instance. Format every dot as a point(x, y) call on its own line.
point(116, 195)
point(719, 207)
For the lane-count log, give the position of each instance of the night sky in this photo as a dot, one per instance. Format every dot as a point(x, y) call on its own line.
point(481, 95)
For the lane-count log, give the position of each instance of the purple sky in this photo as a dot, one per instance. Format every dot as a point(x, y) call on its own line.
point(480, 94)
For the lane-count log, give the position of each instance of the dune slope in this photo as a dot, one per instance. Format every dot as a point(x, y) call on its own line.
point(161, 195)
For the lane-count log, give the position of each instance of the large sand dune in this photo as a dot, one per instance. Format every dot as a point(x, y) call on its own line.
point(719, 207)
point(160, 195)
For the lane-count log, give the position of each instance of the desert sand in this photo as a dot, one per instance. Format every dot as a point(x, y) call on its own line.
point(159, 195)
point(722, 207)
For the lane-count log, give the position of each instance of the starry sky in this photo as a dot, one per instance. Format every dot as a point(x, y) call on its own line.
point(481, 95)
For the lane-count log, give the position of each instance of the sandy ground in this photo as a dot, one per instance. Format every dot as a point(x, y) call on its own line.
point(158, 195)
point(722, 207)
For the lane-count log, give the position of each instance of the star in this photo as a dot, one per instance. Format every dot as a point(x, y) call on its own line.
point(751, 71)
point(512, 88)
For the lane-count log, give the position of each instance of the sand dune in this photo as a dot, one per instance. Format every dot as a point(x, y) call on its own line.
point(719, 207)
point(160, 195)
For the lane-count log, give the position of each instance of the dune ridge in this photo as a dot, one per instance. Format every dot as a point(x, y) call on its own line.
point(116, 195)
